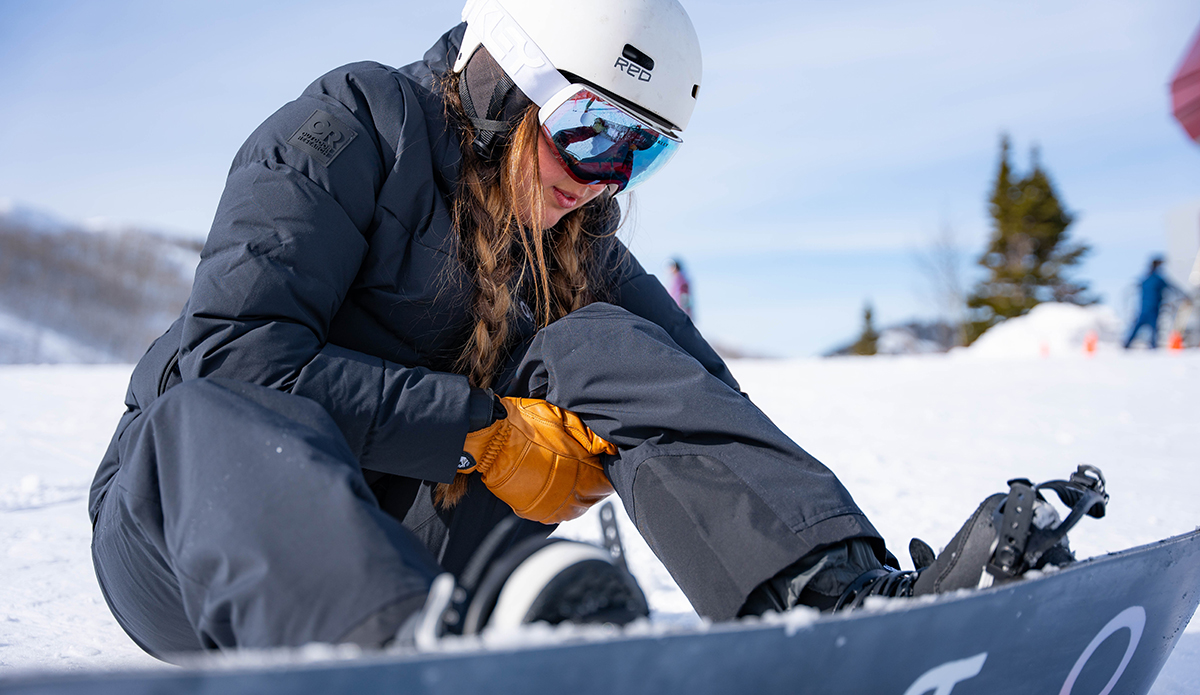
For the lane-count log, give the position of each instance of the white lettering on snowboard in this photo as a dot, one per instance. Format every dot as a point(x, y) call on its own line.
point(942, 679)
point(1132, 619)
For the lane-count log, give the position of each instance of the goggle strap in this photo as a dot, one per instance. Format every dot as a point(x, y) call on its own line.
point(557, 99)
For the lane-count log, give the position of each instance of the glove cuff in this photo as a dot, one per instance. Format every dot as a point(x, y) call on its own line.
point(483, 447)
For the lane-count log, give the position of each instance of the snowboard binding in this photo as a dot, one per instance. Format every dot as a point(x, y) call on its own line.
point(1023, 542)
point(551, 580)
point(1007, 535)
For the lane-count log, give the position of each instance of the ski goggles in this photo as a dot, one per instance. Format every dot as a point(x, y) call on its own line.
point(600, 141)
point(597, 139)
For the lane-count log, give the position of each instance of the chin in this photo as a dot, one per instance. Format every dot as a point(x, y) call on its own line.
point(551, 219)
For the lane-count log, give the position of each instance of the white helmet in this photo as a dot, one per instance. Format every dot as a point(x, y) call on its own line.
point(644, 52)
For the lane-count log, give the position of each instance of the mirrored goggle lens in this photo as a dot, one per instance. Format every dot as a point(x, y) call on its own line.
point(600, 142)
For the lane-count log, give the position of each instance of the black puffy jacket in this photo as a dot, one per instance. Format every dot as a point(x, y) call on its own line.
point(331, 272)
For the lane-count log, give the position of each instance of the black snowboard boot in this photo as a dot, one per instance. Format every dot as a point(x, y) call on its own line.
point(817, 580)
point(550, 580)
point(1008, 535)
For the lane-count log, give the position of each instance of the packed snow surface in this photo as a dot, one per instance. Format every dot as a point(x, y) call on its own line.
point(919, 441)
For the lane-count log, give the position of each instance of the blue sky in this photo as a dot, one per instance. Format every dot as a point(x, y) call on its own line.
point(831, 141)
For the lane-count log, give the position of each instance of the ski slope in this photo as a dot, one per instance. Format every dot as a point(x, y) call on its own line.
point(919, 441)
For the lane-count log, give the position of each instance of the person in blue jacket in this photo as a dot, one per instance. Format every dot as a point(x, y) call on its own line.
point(1153, 289)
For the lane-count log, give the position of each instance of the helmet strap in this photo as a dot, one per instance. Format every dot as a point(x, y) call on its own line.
point(492, 102)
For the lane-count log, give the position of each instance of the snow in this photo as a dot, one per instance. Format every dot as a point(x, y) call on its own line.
point(919, 440)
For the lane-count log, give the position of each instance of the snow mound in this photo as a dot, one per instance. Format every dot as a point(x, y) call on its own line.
point(32, 493)
point(1049, 329)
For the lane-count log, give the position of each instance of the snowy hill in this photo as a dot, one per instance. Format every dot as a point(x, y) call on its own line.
point(919, 441)
point(1048, 329)
point(75, 294)
point(912, 338)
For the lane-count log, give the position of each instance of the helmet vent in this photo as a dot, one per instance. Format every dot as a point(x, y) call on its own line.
point(638, 58)
point(695, 90)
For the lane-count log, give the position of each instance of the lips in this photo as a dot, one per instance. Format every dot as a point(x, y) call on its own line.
point(565, 200)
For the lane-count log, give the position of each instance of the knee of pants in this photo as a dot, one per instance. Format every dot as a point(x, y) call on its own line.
point(591, 332)
point(606, 318)
point(206, 400)
point(598, 329)
point(593, 345)
point(224, 420)
point(226, 409)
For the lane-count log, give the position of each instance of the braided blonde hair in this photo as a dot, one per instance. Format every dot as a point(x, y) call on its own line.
point(495, 213)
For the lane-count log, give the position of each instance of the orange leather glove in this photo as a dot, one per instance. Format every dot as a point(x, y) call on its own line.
point(541, 460)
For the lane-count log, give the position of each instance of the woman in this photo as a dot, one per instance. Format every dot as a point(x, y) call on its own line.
point(411, 319)
point(680, 290)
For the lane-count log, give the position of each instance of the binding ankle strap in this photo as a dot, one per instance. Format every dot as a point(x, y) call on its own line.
point(1020, 546)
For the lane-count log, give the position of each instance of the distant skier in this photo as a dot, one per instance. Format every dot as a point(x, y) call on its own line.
point(1153, 289)
point(678, 286)
point(414, 345)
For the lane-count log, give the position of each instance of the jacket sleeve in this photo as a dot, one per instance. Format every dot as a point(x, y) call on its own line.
point(643, 294)
point(289, 236)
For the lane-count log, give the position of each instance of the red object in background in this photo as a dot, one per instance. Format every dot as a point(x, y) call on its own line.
point(1185, 91)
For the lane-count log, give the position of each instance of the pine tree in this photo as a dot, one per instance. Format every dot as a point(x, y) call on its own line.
point(868, 340)
point(1029, 250)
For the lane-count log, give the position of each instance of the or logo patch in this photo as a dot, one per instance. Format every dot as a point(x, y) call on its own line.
point(465, 461)
point(323, 136)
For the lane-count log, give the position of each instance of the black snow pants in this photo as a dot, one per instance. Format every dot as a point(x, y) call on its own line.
point(239, 518)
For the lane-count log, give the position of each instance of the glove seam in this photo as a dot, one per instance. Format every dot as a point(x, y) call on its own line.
point(494, 446)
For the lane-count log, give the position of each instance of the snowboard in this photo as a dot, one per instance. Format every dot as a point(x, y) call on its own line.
point(1104, 625)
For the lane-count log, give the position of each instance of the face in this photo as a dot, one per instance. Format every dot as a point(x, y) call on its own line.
point(560, 193)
